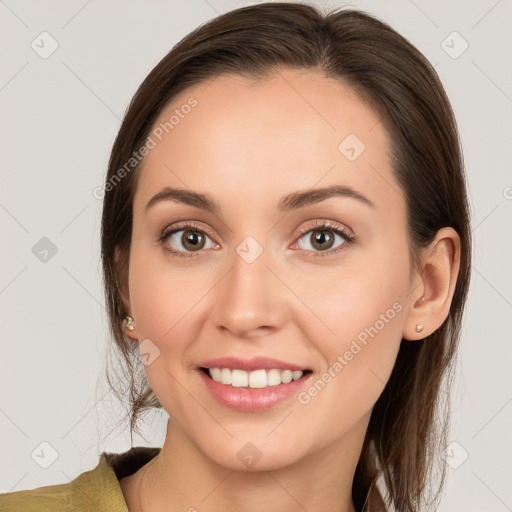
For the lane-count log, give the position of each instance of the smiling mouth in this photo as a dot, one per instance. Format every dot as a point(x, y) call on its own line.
point(256, 379)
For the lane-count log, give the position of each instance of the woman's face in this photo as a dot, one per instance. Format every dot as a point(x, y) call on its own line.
point(260, 277)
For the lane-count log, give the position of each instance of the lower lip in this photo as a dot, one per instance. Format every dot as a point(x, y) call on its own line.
point(252, 400)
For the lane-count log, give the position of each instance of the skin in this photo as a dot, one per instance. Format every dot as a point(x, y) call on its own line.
point(247, 146)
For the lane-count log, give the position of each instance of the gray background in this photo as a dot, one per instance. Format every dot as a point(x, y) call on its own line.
point(59, 118)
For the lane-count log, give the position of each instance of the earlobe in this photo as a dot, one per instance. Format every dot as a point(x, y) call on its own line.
point(430, 299)
point(129, 328)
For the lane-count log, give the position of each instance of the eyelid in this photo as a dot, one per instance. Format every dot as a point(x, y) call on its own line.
point(181, 225)
point(328, 224)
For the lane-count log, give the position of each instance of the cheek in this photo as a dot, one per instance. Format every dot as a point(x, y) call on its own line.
point(162, 293)
point(358, 362)
point(357, 328)
point(163, 300)
point(348, 300)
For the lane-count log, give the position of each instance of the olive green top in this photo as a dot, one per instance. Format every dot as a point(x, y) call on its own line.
point(98, 489)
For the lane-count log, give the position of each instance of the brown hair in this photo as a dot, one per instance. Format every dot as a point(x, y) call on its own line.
point(409, 422)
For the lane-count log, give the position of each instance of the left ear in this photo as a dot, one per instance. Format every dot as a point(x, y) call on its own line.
point(432, 287)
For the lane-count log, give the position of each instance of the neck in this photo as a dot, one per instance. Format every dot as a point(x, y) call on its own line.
point(182, 477)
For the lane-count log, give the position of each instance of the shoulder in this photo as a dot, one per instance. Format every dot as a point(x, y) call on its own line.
point(93, 490)
point(52, 497)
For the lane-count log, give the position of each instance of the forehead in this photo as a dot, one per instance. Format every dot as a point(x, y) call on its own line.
point(243, 140)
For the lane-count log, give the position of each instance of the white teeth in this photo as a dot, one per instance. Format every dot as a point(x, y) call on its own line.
point(297, 374)
point(256, 379)
point(225, 376)
point(239, 378)
point(286, 376)
point(215, 373)
point(273, 377)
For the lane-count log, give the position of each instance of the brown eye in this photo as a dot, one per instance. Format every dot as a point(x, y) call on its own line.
point(324, 237)
point(321, 239)
point(192, 240)
point(188, 240)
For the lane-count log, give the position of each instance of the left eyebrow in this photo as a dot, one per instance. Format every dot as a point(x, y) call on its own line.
point(290, 202)
point(304, 198)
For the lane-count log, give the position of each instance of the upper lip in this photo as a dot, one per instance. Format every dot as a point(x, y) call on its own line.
point(255, 363)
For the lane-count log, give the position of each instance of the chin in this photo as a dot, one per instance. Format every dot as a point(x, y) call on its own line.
point(254, 456)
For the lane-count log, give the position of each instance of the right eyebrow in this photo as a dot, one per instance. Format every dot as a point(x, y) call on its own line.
point(197, 199)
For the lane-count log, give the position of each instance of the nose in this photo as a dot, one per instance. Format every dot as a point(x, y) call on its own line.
point(250, 299)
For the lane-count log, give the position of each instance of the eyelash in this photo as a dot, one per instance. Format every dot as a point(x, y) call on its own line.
point(318, 226)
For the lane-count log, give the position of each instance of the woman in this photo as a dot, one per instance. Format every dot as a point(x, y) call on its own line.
point(285, 243)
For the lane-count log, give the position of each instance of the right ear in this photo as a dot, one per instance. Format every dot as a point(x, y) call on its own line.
point(122, 273)
point(122, 280)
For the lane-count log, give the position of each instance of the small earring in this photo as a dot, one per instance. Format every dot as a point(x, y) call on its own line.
point(419, 328)
point(129, 323)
